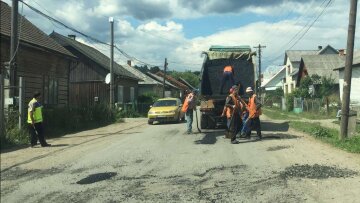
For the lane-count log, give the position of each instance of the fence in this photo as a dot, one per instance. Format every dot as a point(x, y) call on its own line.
point(141, 108)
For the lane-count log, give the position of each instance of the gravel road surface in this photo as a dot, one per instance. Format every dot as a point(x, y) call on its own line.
point(137, 162)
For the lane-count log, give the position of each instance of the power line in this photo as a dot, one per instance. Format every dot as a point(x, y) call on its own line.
point(308, 28)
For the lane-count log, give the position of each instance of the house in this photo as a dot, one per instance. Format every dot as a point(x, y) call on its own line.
point(183, 81)
point(41, 61)
point(292, 63)
point(170, 89)
point(275, 81)
point(87, 78)
point(355, 81)
point(148, 84)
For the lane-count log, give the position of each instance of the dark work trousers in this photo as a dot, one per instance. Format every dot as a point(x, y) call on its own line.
point(235, 126)
point(38, 134)
point(227, 76)
point(255, 125)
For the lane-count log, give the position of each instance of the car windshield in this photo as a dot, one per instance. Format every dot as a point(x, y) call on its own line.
point(165, 103)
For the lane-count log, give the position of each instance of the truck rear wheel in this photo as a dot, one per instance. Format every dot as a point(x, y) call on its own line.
point(203, 122)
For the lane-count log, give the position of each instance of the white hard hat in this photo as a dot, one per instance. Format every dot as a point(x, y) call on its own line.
point(249, 89)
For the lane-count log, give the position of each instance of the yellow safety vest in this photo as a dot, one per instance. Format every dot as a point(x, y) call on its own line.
point(37, 112)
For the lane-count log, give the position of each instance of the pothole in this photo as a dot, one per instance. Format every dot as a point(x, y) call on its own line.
point(93, 178)
point(277, 148)
point(316, 172)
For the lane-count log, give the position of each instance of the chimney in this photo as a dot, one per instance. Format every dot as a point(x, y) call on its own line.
point(129, 62)
point(319, 47)
point(73, 37)
point(341, 52)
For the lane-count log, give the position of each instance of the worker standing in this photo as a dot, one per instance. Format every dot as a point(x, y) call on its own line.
point(35, 121)
point(254, 107)
point(188, 108)
point(232, 110)
point(228, 75)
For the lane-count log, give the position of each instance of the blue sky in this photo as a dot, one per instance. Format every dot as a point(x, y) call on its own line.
point(180, 30)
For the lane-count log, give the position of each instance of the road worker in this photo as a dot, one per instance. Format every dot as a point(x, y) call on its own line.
point(254, 108)
point(35, 121)
point(232, 110)
point(228, 75)
point(188, 108)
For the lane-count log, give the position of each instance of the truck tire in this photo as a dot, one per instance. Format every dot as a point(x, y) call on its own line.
point(203, 122)
point(211, 123)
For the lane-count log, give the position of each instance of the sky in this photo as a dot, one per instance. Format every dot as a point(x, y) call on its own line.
point(180, 30)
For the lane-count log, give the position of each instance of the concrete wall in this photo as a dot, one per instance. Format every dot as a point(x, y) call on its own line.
point(355, 85)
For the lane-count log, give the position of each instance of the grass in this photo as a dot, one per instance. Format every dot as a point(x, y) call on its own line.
point(277, 114)
point(328, 135)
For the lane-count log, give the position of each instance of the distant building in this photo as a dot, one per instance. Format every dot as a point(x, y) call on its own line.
point(292, 62)
point(355, 81)
point(275, 81)
point(41, 61)
point(87, 78)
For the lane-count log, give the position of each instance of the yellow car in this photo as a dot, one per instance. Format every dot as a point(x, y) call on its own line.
point(166, 110)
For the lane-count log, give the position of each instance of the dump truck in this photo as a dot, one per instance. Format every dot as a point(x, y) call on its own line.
point(212, 102)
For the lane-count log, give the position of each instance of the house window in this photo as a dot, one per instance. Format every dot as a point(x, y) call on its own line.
point(120, 94)
point(51, 90)
point(132, 94)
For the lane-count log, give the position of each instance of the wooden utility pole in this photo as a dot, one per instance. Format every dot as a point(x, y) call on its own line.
point(345, 109)
point(259, 47)
point(165, 66)
point(14, 41)
point(111, 20)
point(2, 105)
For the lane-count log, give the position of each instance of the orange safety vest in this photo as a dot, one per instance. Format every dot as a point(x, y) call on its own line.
point(228, 69)
point(253, 113)
point(229, 110)
point(186, 103)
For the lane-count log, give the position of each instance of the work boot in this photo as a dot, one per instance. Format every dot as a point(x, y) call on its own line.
point(234, 142)
point(46, 145)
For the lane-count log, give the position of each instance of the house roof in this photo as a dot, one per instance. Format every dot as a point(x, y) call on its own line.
point(94, 55)
point(160, 79)
point(356, 61)
point(146, 80)
point(295, 55)
point(29, 33)
point(322, 65)
point(327, 48)
point(186, 83)
point(276, 78)
point(173, 81)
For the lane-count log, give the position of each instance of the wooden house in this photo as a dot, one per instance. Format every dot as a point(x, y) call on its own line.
point(41, 61)
point(87, 77)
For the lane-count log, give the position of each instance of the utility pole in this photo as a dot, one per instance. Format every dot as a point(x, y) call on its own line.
point(2, 106)
point(348, 71)
point(259, 47)
point(165, 66)
point(111, 20)
point(14, 40)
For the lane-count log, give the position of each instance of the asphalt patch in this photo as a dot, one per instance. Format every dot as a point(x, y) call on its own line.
point(277, 148)
point(93, 178)
point(316, 172)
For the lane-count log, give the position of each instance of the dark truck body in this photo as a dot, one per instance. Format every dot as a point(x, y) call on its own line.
point(212, 102)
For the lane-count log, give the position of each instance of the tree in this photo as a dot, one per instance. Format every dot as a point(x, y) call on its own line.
point(154, 69)
point(326, 89)
point(143, 69)
point(189, 76)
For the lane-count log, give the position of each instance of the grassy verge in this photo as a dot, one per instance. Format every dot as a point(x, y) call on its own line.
point(277, 114)
point(328, 135)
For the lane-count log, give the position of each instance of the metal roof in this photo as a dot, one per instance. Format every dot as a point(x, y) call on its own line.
point(295, 55)
point(146, 80)
point(160, 79)
point(94, 55)
point(322, 65)
point(356, 61)
point(29, 33)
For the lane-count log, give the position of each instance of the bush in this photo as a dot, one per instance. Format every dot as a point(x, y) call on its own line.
point(290, 102)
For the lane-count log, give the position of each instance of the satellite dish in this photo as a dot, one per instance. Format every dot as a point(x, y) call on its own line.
point(107, 78)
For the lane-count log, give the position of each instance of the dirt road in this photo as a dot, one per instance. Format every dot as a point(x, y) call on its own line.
point(137, 162)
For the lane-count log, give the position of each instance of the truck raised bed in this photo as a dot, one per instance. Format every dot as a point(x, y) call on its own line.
point(211, 101)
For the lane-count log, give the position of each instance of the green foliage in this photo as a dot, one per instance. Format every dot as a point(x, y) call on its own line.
point(189, 76)
point(143, 69)
point(326, 87)
point(328, 135)
point(290, 101)
point(14, 135)
point(154, 69)
point(149, 97)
